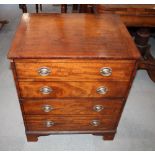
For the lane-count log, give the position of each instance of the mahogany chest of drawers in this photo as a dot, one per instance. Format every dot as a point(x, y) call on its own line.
point(73, 73)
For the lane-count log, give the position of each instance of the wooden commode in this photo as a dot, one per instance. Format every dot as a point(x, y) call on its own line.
point(73, 73)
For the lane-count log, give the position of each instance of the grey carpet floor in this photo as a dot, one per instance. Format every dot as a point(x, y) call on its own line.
point(136, 130)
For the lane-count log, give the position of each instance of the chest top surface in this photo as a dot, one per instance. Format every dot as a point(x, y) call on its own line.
point(72, 36)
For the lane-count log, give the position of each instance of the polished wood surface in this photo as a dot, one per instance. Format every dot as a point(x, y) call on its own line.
point(96, 37)
point(142, 16)
point(74, 55)
point(75, 71)
point(131, 14)
point(69, 123)
point(72, 89)
point(132, 8)
point(72, 106)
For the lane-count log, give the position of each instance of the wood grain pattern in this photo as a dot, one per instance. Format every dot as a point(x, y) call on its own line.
point(92, 60)
point(131, 15)
point(139, 9)
point(72, 89)
point(58, 36)
point(72, 106)
point(75, 55)
point(121, 70)
point(68, 123)
point(142, 17)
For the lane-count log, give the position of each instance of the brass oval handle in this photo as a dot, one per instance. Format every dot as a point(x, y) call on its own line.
point(44, 71)
point(106, 71)
point(47, 108)
point(102, 90)
point(98, 108)
point(95, 122)
point(49, 124)
point(46, 90)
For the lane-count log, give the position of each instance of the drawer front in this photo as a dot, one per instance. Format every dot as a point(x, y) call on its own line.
point(72, 89)
point(73, 106)
point(102, 70)
point(69, 123)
